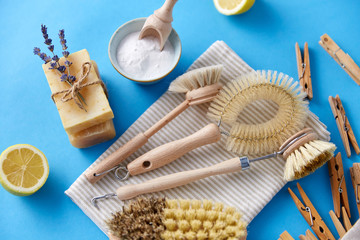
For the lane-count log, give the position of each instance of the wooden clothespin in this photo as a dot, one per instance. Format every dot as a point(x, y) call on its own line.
point(338, 185)
point(285, 236)
point(311, 216)
point(343, 125)
point(339, 227)
point(308, 236)
point(355, 177)
point(342, 58)
point(304, 70)
point(346, 220)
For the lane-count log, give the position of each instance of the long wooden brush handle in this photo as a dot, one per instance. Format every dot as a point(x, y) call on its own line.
point(171, 151)
point(177, 179)
point(132, 146)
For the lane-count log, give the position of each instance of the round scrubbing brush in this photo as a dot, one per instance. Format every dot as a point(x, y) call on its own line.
point(176, 219)
point(263, 85)
point(306, 156)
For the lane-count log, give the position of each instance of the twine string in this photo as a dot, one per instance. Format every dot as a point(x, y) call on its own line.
point(73, 91)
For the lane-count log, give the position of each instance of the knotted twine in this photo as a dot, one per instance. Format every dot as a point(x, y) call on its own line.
point(73, 92)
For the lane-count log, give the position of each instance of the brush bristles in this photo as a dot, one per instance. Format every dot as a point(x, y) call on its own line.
point(142, 219)
point(268, 136)
point(197, 78)
point(177, 219)
point(196, 220)
point(307, 159)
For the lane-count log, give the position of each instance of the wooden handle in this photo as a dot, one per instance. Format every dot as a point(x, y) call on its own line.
point(133, 145)
point(117, 157)
point(167, 118)
point(165, 12)
point(171, 151)
point(177, 179)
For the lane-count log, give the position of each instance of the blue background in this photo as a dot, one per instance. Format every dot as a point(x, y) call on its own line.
point(264, 37)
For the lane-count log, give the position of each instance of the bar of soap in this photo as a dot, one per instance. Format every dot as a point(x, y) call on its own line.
point(98, 109)
point(97, 134)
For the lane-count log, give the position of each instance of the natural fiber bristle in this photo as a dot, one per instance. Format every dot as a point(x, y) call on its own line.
point(307, 159)
point(177, 219)
point(142, 219)
point(211, 221)
point(263, 85)
point(196, 78)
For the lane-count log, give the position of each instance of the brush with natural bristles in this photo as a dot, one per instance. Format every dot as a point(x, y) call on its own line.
point(302, 151)
point(243, 138)
point(168, 219)
point(268, 136)
point(304, 160)
point(201, 85)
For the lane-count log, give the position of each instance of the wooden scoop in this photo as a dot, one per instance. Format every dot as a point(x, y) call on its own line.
point(159, 24)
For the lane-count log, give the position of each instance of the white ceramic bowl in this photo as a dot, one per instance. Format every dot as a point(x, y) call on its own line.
point(135, 26)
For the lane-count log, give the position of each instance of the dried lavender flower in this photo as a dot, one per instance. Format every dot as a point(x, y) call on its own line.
point(62, 34)
point(68, 63)
point(61, 68)
point(43, 29)
point(65, 54)
point(72, 78)
point(62, 39)
point(51, 48)
point(37, 51)
point(55, 58)
point(48, 41)
point(53, 65)
point(45, 58)
point(64, 77)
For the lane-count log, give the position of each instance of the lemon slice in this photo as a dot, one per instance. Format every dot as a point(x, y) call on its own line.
point(23, 169)
point(233, 7)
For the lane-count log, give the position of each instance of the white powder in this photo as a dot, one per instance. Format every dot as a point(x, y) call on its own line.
point(142, 59)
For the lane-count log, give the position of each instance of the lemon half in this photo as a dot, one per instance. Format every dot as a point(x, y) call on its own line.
point(233, 7)
point(23, 169)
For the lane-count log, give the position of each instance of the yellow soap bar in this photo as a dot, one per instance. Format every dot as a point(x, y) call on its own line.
point(97, 134)
point(98, 109)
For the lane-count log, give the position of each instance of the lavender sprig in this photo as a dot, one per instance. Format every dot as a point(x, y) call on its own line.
point(54, 61)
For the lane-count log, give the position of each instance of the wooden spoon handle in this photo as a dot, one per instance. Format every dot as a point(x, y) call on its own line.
point(171, 151)
point(177, 179)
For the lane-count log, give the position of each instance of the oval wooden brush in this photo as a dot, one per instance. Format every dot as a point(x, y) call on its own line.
point(168, 219)
point(302, 151)
point(201, 85)
point(243, 138)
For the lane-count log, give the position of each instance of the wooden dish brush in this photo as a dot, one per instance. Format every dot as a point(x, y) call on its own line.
point(201, 85)
point(302, 151)
point(262, 138)
point(159, 218)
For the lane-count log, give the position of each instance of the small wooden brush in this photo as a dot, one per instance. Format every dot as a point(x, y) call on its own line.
point(160, 218)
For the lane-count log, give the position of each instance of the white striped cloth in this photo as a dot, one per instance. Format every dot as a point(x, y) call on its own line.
point(353, 233)
point(249, 191)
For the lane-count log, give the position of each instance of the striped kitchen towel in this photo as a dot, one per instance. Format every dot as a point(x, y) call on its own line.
point(249, 190)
